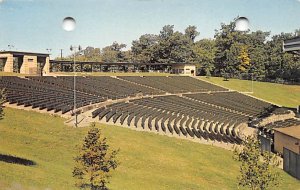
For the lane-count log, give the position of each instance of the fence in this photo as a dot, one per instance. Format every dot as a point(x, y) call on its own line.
point(291, 163)
point(265, 144)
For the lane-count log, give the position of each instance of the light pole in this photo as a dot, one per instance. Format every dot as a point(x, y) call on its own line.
point(242, 25)
point(61, 54)
point(73, 48)
point(10, 46)
point(69, 25)
point(252, 83)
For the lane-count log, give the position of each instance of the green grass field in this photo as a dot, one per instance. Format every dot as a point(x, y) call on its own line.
point(285, 95)
point(148, 161)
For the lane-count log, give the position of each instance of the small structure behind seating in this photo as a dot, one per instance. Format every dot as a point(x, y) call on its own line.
point(184, 69)
point(287, 143)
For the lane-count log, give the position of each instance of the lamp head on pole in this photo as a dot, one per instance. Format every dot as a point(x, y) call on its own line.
point(69, 24)
point(242, 24)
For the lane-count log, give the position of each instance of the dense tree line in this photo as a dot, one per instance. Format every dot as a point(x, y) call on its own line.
point(231, 54)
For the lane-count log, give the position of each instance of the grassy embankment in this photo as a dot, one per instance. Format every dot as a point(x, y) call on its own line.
point(148, 161)
point(285, 95)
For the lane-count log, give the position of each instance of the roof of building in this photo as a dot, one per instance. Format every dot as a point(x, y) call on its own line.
point(24, 53)
point(116, 63)
point(293, 131)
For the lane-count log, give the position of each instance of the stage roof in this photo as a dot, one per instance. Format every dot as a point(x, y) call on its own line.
point(24, 53)
point(116, 63)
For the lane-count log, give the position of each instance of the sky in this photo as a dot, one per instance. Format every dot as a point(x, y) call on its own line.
point(36, 25)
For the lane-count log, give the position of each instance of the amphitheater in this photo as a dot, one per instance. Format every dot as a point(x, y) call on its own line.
point(179, 106)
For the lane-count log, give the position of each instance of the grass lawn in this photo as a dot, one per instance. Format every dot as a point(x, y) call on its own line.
point(148, 161)
point(285, 95)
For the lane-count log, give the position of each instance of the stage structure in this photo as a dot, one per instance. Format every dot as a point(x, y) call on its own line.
point(24, 62)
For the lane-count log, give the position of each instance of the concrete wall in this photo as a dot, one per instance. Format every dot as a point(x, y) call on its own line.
point(282, 140)
point(9, 62)
point(29, 65)
point(46, 68)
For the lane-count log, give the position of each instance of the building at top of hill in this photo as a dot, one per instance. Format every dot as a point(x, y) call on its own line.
point(32, 63)
point(24, 62)
point(185, 69)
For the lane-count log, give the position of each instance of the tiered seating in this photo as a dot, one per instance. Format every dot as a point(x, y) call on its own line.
point(267, 130)
point(234, 101)
point(56, 93)
point(281, 111)
point(43, 95)
point(281, 124)
point(119, 87)
point(175, 84)
point(284, 123)
point(108, 87)
point(177, 115)
point(208, 112)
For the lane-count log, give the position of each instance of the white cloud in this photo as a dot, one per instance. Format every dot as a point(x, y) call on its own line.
point(1, 1)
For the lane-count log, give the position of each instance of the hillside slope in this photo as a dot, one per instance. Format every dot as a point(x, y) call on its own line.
point(285, 95)
point(148, 161)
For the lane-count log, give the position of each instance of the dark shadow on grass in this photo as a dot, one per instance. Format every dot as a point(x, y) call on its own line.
point(16, 160)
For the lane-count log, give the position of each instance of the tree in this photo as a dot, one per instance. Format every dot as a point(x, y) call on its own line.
point(168, 47)
point(166, 32)
point(172, 47)
point(257, 170)
point(204, 55)
point(191, 32)
point(228, 42)
point(2, 100)
point(258, 53)
point(143, 48)
point(113, 53)
point(92, 54)
point(281, 65)
point(94, 162)
point(245, 60)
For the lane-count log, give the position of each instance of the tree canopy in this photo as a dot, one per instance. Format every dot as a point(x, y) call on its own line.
point(231, 53)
